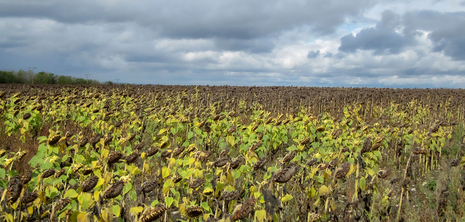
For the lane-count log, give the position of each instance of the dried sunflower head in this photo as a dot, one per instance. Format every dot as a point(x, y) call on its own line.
point(221, 162)
point(132, 157)
point(48, 173)
point(28, 197)
point(197, 183)
point(54, 140)
point(152, 151)
point(342, 170)
point(383, 174)
point(114, 190)
point(194, 211)
point(27, 176)
point(62, 204)
point(289, 157)
point(312, 162)
point(455, 162)
point(90, 183)
point(14, 188)
point(208, 191)
point(153, 213)
point(114, 157)
point(148, 186)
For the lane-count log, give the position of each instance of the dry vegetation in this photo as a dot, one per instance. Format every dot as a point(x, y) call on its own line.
point(201, 153)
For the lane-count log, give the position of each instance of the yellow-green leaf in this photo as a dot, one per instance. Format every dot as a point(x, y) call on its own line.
point(362, 183)
point(71, 193)
point(135, 210)
point(231, 140)
point(312, 192)
point(9, 217)
point(116, 210)
point(97, 195)
point(205, 206)
point(82, 216)
point(135, 170)
point(287, 198)
point(169, 201)
point(146, 167)
point(155, 202)
point(161, 131)
point(105, 153)
point(30, 210)
point(85, 199)
point(260, 214)
point(324, 190)
point(165, 171)
point(100, 182)
point(371, 172)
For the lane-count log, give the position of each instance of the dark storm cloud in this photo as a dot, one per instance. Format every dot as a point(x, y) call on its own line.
point(256, 18)
point(67, 11)
point(382, 39)
point(446, 30)
point(313, 54)
point(196, 19)
point(233, 26)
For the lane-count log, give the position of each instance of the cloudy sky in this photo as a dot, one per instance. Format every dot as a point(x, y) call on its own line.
point(358, 43)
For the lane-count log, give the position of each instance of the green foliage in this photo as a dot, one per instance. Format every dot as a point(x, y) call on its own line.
point(29, 77)
point(432, 185)
point(9, 77)
point(45, 78)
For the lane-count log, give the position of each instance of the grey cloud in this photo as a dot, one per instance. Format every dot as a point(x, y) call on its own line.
point(72, 12)
point(148, 58)
point(197, 19)
point(247, 45)
point(382, 39)
point(451, 43)
point(247, 26)
point(13, 42)
point(184, 42)
point(313, 54)
point(446, 30)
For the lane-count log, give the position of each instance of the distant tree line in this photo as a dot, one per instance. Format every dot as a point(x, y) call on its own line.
point(29, 77)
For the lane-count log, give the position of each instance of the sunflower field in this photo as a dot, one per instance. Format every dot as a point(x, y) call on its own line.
point(224, 153)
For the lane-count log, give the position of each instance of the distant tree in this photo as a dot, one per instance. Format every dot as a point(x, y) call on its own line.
point(94, 82)
point(8, 77)
point(21, 76)
point(66, 80)
point(81, 81)
point(108, 83)
point(45, 78)
point(29, 76)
